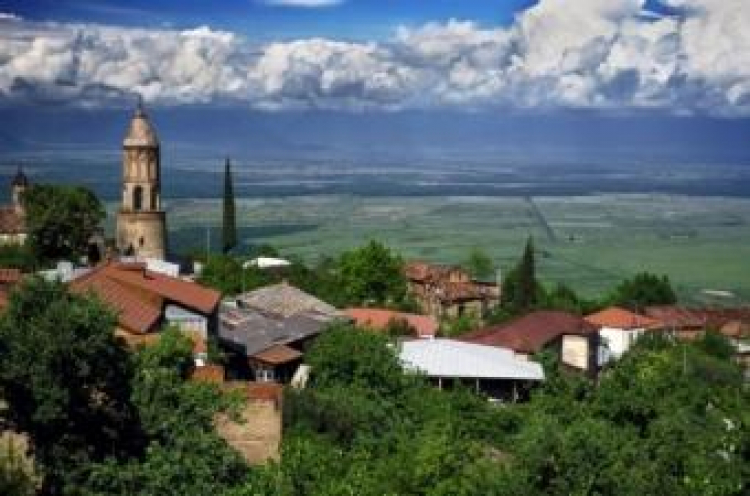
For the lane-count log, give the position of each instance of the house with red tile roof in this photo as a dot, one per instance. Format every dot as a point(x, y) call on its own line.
point(619, 329)
point(449, 290)
point(379, 319)
point(572, 338)
point(9, 279)
point(146, 301)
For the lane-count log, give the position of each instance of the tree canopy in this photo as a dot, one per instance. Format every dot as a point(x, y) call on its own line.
point(372, 274)
point(61, 220)
point(644, 289)
point(66, 380)
point(480, 265)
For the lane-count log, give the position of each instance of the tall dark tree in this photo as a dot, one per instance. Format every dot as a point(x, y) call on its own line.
point(61, 220)
point(520, 287)
point(229, 225)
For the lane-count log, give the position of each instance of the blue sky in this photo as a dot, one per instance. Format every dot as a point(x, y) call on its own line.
point(353, 19)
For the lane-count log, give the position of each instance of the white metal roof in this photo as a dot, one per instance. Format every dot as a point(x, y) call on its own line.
point(267, 262)
point(449, 358)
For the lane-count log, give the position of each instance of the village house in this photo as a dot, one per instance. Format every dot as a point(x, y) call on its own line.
point(267, 331)
point(381, 319)
point(690, 323)
point(449, 290)
point(12, 216)
point(619, 329)
point(569, 336)
point(147, 301)
point(494, 371)
point(9, 279)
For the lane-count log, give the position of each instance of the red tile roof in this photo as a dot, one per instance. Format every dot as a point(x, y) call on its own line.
point(379, 319)
point(212, 374)
point(139, 295)
point(186, 293)
point(674, 317)
point(426, 272)
point(134, 312)
point(532, 332)
point(277, 355)
point(619, 318)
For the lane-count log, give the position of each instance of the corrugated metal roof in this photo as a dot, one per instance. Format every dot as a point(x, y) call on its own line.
point(449, 358)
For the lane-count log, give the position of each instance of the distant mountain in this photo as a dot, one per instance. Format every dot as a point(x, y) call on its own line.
point(579, 137)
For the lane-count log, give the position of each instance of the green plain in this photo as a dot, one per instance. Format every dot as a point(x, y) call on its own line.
point(588, 242)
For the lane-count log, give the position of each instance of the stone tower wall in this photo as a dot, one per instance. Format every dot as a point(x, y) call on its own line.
point(144, 231)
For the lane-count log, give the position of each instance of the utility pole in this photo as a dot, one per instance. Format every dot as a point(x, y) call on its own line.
point(208, 242)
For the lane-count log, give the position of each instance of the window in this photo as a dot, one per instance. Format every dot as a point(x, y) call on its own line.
point(138, 198)
point(265, 374)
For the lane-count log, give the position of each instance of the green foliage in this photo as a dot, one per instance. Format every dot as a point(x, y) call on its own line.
point(16, 472)
point(521, 290)
point(229, 221)
point(399, 328)
point(480, 265)
point(65, 380)
point(61, 220)
point(226, 274)
point(456, 326)
point(184, 454)
point(642, 290)
point(373, 275)
point(17, 257)
point(344, 355)
point(715, 344)
point(667, 418)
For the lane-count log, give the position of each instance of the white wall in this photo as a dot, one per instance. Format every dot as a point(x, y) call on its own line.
point(615, 342)
point(575, 351)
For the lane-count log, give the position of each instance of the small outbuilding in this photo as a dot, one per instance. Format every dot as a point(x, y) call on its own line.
point(494, 371)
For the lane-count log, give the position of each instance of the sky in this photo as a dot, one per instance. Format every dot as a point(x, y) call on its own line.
point(627, 60)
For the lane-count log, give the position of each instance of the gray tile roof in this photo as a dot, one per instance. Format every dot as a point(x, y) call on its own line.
point(286, 300)
point(274, 315)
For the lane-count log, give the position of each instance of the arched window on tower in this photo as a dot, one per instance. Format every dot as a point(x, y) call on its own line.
point(138, 198)
point(154, 199)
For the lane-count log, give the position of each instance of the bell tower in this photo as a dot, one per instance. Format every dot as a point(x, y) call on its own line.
point(19, 185)
point(141, 222)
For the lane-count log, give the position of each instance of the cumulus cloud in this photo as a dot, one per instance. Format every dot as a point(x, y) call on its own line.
point(584, 54)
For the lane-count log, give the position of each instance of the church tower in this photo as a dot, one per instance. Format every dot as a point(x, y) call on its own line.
point(141, 223)
point(18, 186)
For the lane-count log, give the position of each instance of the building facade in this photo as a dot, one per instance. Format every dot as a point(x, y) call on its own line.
point(449, 291)
point(12, 217)
point(141, 221)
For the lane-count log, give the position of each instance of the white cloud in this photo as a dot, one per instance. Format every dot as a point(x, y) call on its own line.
point(584, 54)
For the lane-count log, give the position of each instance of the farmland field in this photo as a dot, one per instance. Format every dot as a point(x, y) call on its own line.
point(589, 242)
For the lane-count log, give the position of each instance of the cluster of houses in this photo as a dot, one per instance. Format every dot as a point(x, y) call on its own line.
point(263, 335)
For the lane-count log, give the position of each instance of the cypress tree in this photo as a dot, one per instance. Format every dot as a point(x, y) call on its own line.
point(527, 285)
point(229, 226)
